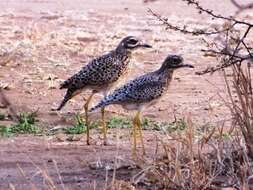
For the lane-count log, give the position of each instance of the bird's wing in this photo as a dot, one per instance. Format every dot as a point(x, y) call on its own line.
point(96, 72)
point(142, 89)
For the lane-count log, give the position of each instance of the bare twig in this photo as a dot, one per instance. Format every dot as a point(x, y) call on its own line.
point(216, 68)
point(217, 16)
point(241, 7)
point(184, 29)
point(216, 53)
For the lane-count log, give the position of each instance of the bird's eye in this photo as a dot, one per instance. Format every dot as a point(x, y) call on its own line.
point(132, 41)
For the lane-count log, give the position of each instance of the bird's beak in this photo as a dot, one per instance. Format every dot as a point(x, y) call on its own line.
point(145, 45)
point(187, 65)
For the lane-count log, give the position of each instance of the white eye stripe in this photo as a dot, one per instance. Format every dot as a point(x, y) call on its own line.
point(131, 45)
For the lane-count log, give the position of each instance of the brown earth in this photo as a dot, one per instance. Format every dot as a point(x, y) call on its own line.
point(44, 42)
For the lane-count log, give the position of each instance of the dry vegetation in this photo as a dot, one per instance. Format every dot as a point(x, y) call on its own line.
point(189, 156)
point(229, 164)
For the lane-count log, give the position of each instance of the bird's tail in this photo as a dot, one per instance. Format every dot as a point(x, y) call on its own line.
point(101, 104)
point(67, 97)
point(105, 102)
point(113, 98)
point(65, 84)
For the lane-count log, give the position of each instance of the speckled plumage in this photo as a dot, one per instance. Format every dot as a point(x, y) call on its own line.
point(105, 69)
point(144, 89)
point(139, 91)
point(102, 72)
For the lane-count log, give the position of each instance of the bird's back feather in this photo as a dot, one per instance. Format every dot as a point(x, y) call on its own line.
point(140, 90)
point(102, 70)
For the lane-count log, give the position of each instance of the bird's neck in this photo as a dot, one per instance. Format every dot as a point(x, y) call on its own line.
point(164, 70)
point(165, 74)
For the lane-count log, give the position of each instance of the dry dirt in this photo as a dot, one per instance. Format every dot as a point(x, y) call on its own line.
point(48, 40)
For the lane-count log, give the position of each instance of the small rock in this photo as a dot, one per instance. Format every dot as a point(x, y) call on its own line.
point(5, 86)
point(61, 137)
point(161, 108)
point(74, 138)
point(50, 160)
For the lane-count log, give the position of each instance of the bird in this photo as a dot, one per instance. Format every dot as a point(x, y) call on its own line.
point(142, 92)
point(100, 75)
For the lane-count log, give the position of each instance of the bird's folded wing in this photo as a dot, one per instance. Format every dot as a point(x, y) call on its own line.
point(95, 72)
point(145, 91)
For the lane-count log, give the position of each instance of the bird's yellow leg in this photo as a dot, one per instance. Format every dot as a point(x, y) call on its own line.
point(104, 125)
point(87, 122)
point(138, 125)
point(134, 138)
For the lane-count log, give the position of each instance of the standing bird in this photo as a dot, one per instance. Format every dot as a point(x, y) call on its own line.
point(144, 91)
point(100, 75)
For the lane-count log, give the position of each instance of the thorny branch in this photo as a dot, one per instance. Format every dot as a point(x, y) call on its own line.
point(230, 55)
point(184, 28)
point(212, 14)
point(230, 46)
point(241, 7)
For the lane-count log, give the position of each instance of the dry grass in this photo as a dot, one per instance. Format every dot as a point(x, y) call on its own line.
point(210, 162)
point(242, 101)
point(214, 162)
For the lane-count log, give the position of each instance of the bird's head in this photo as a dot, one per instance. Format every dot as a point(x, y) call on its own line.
point(132, 42)
point(174, 62)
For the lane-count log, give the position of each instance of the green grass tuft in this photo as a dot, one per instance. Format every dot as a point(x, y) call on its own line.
point(147, 124)
point(79, 127)
point(179, 125)
point(5, 131)
point(119, 122)
point(25, 125)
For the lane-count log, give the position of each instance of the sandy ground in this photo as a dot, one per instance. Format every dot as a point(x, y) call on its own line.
point(32, 162)
point(51, 40)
